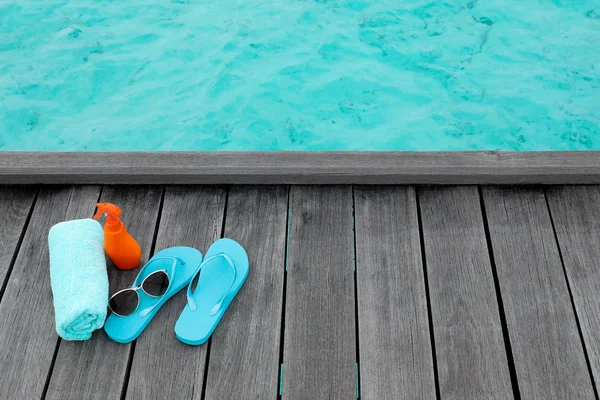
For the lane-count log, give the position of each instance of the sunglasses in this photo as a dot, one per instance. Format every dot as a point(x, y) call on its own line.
point(126, 302)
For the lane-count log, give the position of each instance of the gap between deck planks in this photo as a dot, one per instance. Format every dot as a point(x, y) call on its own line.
point(16, 207)
point(575, 212)
point(470, 352)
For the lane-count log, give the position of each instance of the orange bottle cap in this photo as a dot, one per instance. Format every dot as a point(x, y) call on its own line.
point(113, 213)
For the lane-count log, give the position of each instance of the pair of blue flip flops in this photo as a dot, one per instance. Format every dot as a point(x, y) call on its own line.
point(219, 277)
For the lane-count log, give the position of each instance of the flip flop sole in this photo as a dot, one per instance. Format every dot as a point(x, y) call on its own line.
point(127, 329)
point(195, 327)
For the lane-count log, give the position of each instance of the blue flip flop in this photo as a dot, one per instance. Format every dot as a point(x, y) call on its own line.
point(180, 264)
point(220, 277)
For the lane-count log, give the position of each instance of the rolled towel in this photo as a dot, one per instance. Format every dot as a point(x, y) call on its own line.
point(78, 278)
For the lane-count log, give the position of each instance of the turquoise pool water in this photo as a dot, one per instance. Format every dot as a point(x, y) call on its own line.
point(300, 75)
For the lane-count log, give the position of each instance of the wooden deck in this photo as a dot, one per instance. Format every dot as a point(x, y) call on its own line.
point(382, 292)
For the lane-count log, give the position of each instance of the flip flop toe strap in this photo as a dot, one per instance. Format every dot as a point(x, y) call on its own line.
point(217, 307)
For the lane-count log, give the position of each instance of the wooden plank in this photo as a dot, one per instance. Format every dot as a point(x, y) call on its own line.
point(244, 352)
point(27, 331)
point(470, 353)
point(281, 167)
point(163, 367)
point(15, 205)
point(576, 214)
point(395, 348)
point(319, 353)
point(95, 369)
point(547, 350)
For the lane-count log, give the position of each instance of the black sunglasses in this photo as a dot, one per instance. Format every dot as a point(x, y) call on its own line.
point(125, 302)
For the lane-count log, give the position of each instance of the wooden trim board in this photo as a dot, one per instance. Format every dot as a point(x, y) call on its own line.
point(478, 167)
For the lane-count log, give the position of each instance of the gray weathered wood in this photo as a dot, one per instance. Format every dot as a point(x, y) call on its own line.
point(549, 358)
point(27, 331)
point(471, 357)
point(576, 214)
point(15, 204)
point(301, 167)
point(95, 369)
point(163, 367)
point(320, 338)
point(246, 343)
point(319, 348)
point(395, 347)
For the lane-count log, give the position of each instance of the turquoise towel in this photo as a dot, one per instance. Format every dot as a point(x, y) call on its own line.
point(78, 278)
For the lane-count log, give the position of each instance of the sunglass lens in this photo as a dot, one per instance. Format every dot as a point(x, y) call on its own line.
point(124, 303)
point(156, 284)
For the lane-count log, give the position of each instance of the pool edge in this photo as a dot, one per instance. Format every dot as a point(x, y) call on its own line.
point(477, 167)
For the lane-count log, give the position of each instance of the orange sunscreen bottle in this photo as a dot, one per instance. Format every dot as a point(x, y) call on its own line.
point(120, 246)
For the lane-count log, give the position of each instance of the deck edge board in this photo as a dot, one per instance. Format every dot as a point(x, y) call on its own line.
point(302, 167)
